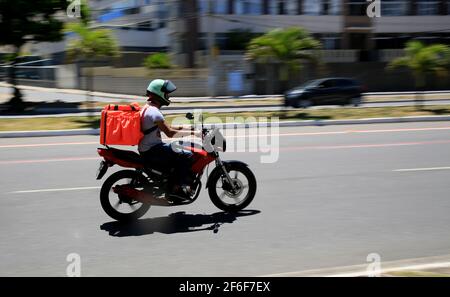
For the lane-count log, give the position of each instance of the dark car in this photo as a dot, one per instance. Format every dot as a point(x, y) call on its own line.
point(325, 91)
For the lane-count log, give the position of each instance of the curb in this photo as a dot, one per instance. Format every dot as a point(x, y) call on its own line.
point(75, 132)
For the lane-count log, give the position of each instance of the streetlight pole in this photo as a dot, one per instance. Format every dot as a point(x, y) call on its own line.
point(212, 79)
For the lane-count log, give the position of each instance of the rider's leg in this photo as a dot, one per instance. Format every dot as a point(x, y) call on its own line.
point(171, 157)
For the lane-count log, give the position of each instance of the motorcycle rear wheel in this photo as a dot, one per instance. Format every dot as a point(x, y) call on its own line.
point(107, 193)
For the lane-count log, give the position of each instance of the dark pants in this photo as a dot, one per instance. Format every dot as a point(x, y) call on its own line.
point(163, 156)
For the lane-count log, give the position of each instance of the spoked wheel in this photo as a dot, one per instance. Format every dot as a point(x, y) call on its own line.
point(234, 197)
point(120, 207)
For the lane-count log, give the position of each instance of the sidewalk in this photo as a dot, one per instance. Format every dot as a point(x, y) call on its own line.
point(110, 97)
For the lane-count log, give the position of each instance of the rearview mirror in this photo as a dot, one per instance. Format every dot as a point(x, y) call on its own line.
point(189, 116)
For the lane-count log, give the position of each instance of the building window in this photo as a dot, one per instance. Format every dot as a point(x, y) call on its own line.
point(330, 43)
point(283, 7)
point(291, 7)
point(427, 7)
point(394, 7)
point(221, 7)
point(312, 7)
point(273, 6)
point(123, 4)
point(218, 6)
point(248, 7)
point(334, 7)
point(357, 7)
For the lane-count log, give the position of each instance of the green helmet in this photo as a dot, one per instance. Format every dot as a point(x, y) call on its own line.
point(161, 89)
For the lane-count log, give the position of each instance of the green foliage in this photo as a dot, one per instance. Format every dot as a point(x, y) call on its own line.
point(424, 60)
point(288, 46)
point(10, 57)
point(85, 12)
point(91, 43)
point(24, 20)
point(158, 61)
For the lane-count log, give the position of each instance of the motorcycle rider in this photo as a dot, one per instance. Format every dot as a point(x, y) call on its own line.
point(153, 149)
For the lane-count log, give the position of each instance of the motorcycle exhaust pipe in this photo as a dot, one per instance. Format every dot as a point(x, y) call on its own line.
point(140, 196)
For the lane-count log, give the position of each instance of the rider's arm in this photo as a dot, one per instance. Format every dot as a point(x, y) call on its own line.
point(172, 132)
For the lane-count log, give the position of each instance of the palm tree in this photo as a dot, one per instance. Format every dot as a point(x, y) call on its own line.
point(288, 46)
point(424, 60)
point(90, 45)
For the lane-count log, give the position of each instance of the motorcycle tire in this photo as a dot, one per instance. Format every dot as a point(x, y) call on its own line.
point(105, 201)
point(216, 199)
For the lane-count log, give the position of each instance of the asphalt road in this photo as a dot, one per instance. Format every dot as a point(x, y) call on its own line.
point(334, 195)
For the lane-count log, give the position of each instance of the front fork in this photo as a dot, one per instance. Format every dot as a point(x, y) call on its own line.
point(225, 172)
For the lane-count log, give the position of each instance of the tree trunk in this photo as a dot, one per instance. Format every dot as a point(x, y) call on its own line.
point(16, 103)
point(420, 86)
point(90, 86)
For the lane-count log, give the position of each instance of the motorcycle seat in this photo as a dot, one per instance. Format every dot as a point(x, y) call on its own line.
point(128, 156)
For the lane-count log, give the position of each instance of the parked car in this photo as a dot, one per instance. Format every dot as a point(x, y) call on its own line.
point(325, 91)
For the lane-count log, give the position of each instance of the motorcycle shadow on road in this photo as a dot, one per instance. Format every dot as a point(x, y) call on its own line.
point(178, 222)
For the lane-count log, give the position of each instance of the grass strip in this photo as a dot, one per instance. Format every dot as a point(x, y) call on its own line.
point(61, 123)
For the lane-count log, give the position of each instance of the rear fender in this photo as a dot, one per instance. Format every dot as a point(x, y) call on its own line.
point(110, 159)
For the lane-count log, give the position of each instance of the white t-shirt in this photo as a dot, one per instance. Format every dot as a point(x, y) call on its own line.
point(151, 115)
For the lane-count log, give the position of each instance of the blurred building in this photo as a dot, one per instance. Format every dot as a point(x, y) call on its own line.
point(184, 27)
point(140, 27)
point(210, 36)
point(339, 24)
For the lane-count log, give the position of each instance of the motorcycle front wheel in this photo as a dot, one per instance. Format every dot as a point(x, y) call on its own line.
point(122, 208)
point(222, 194)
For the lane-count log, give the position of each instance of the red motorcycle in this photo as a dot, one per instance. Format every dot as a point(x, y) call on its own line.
point(128, 194)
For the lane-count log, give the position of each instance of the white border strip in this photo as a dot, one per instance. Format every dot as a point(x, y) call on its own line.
point(415, 264)
point(393, 269)
point(421, 169)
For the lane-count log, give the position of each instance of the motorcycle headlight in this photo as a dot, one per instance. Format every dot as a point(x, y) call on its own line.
point(218, 141)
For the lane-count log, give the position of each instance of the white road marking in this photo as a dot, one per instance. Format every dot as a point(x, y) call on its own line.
point(45, 144)
point(48, 160)
point(324, 147)
point(55, 190)
point(375, 145)
point(421, 169)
